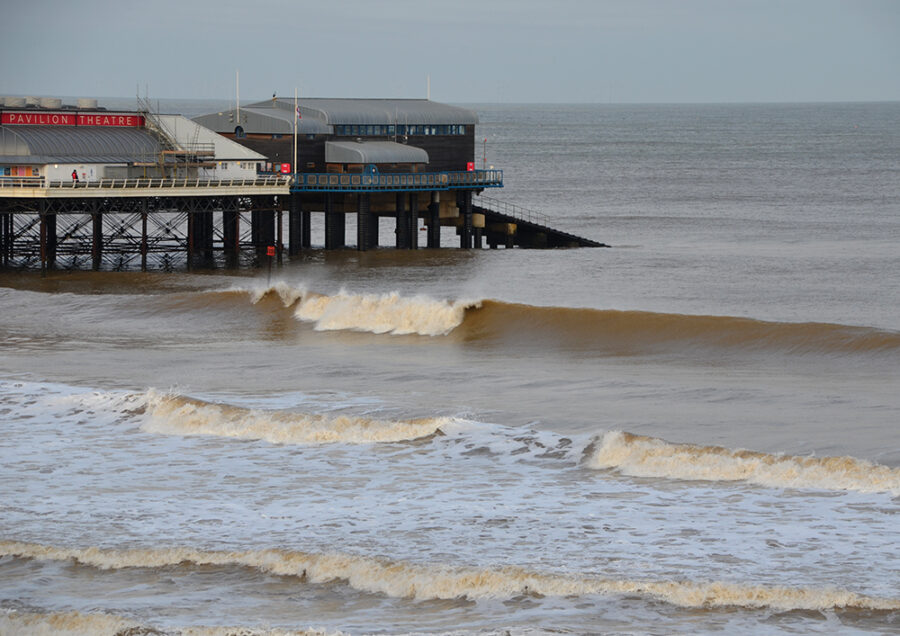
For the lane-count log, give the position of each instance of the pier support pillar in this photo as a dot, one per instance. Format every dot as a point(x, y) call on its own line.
point(363, 222)
point(262, 227)
point(200, 235)
point(413, 221)
point(476, 237)
point(434, 220)
point(306, 229)
point(402, 230)
point(279, 234)
point(144, 244)
point(335, 225)
point(295, 225)
point(48, 237)
point(464, 201)
point(231, 234)
point(97, 240)
point(4, 237)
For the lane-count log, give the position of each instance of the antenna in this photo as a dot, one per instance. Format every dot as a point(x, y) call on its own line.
point(428, 87)
point(237, 95)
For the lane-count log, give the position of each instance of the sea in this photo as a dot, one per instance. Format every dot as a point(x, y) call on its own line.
point(694, 430)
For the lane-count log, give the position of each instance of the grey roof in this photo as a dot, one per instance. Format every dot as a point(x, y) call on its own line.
point(64, 144)
point(186, 133)
point(373, 152)
point(318, 115)
point(266, 120)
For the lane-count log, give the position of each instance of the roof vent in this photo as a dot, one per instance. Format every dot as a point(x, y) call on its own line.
point(86, 102)
point(51, 102)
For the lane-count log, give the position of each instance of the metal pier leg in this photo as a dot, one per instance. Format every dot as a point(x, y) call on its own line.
point(413, 221)
point(51, 240)
point(190, 237)
point(363, 221)
point(97, 243)
point(231, 230)
point(306, 231)
point(42, 216)
point(402, 228)
point(335, 225)
point(434, 220)
point(295, 225)
point(144, 245)
point(279, 234)
point(465, 235)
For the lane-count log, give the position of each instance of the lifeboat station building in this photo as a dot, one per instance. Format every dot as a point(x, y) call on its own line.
point(408, 159)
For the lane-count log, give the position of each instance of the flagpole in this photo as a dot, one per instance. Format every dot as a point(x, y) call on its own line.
point(296, 112)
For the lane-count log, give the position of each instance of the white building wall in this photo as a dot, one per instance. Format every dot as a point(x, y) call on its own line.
point(230, 170)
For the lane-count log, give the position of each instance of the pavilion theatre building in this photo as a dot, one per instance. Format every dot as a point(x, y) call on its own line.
point(56, 143)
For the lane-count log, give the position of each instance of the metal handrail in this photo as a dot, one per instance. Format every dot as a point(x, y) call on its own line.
point(158, 182)
point(513, 210)
point(338, 181)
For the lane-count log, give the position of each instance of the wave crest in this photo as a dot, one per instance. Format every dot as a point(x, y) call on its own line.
point(382, 313)
point(179, 415)
point(400, 579)
point(641, 456)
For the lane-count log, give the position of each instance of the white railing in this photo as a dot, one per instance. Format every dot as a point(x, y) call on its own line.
point(130, 184)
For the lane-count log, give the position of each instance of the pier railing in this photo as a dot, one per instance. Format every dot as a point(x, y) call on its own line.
point(511, 209)
point(409, 181)
point(124, 184)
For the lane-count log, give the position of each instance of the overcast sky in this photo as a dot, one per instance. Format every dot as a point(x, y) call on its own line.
point(473, 50)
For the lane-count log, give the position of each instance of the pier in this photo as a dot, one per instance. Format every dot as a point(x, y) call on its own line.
point(83, 188)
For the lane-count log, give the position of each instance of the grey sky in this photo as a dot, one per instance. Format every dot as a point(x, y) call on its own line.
point(473, 50)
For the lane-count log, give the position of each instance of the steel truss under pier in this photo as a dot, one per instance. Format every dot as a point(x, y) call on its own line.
point(183, 224)
point(120, 233)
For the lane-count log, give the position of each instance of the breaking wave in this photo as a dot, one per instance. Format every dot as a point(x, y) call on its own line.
point(382, 313)
point(178, 415)
point(608, 331)
point(641, 456)
point(400, 579)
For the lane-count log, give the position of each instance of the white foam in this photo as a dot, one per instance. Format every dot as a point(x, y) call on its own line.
point(382, 313)
point(650, 457)
point(427, 582)
point(177, 415)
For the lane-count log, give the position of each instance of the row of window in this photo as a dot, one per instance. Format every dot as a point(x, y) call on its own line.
point(348, 130)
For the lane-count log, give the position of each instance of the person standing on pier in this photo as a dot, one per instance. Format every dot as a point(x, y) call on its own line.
point(75, 176)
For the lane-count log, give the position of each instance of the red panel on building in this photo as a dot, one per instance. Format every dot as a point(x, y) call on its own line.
point(72, 119)
point(470, 166)
point(285, 168)
point(39, 119)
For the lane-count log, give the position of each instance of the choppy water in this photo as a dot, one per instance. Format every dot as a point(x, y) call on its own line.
point(693, 431)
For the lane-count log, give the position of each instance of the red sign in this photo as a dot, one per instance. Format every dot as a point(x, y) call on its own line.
point(104, 119)
point(40, 119)
point(270, 251)
point(71, 119)
point(470, 166)
point(285, 168)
